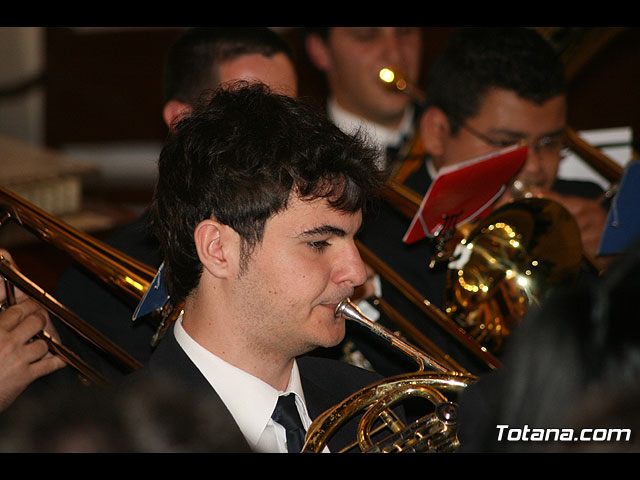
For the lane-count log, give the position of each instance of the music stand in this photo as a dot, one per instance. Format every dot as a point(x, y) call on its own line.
point(464, 192)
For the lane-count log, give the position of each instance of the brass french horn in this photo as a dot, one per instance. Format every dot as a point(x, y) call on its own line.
point(434, 432)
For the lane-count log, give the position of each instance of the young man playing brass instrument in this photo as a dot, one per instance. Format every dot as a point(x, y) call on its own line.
point(256, 208)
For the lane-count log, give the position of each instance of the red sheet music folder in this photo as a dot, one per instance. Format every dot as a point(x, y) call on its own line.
point(465, 191)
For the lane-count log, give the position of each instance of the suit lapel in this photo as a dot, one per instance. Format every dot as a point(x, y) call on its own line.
point(320, 399)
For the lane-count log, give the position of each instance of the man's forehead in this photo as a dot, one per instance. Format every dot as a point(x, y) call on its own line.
point(277, 71)
point(505, 109)
point(309, 214)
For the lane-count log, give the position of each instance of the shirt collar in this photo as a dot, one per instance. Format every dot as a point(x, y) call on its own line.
point(250, 400)
point(382, 136)
point(431, 169)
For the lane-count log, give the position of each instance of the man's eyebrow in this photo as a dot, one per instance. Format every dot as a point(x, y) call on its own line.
point(517, 134)
point(323, 230)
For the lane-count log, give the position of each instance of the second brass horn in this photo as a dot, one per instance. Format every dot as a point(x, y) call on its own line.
point(489, 288)
point(507, 263)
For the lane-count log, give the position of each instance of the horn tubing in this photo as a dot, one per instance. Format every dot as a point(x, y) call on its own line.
point(432, 312)
point(350, 311)
point(332, 419)
point(416, 335)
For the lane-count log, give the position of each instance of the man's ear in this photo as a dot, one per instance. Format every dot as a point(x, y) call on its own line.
point(218, 247)
point(434, 129)
point(173, 111)
point(318, 52)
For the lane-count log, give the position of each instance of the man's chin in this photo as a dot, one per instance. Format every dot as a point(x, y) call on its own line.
point(332, 336)
point(323, 344)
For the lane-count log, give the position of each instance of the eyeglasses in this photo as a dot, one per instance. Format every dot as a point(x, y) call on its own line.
point(547, 145)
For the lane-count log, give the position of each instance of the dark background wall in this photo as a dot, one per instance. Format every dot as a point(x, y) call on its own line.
point(105, 85)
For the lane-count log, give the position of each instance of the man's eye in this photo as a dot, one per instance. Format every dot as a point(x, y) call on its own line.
point(318, 246)
point(503, 143)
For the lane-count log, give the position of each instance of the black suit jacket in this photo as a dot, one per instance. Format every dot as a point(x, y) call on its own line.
point(325, 383)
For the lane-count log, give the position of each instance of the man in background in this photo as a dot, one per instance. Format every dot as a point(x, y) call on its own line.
point(351, 58)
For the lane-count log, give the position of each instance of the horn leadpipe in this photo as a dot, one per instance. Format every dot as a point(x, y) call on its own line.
point(350, 311)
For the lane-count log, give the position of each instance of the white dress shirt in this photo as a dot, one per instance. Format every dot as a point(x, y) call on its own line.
point(431, 170)
point(250, 400)
point(381, 136)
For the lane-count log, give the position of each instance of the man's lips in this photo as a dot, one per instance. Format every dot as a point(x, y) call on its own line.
point(333, 303)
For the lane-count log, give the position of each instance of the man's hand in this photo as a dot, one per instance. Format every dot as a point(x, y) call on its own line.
point(590, 216)
point(23, 359)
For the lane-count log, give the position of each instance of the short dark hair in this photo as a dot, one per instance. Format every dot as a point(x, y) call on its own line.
point(192, 61)
point(477, 59)
point(238, 159)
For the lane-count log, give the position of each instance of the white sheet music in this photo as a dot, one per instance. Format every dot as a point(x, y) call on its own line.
point(613, 142)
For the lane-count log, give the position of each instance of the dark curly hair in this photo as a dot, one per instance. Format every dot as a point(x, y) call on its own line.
point(237, 159)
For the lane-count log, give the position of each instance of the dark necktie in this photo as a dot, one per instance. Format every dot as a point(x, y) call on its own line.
point(286, 414)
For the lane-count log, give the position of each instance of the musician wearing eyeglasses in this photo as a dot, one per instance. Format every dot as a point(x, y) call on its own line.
point(490, 88)
point(493, 88)
point(256, 209)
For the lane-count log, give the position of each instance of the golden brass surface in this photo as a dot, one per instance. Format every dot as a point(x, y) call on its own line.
point(434, 432)
point(115, 269)
point(508, 261)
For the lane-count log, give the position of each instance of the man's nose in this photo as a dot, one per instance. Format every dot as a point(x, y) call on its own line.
point(351, 269)
point(392, 48)
point(532, 169)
